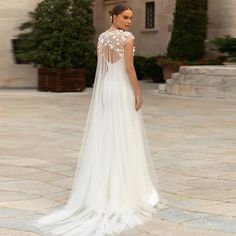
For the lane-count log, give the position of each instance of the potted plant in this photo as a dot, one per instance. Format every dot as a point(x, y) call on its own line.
point(226, 45)
point(169, 66)
point(58, 39)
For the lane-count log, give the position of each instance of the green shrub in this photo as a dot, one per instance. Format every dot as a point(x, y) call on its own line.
point(189, 30)
point(91, 71)
point(59, 34)
point(139, 66)
point(231, 59)
point(153, 70)
point(217, 61)
point(226, 44)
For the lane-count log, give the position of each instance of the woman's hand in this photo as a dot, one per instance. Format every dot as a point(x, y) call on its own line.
point(138, 101)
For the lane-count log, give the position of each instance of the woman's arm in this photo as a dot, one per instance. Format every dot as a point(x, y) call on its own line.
point(129, 64)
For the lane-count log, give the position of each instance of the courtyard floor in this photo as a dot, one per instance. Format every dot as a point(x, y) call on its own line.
point(193, 142)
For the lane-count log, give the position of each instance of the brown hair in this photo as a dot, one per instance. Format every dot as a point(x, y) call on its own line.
point(118, 9)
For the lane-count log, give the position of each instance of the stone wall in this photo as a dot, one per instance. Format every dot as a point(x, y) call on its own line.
point(221, 18)
point(12, 14)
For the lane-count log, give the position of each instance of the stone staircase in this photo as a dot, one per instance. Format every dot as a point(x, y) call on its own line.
point(203, 81)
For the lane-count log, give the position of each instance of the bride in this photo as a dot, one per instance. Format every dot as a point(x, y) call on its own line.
point(115, 186)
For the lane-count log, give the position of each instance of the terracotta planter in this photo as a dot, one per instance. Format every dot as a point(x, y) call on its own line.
point(169, 69)
point(61, 80)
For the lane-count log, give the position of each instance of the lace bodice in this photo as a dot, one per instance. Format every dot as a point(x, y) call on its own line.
point(111, 44)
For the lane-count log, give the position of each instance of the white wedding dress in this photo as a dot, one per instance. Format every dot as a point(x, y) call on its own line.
point(115, 186)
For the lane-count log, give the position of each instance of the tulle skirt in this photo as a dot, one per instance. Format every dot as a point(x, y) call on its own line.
point(113, 188)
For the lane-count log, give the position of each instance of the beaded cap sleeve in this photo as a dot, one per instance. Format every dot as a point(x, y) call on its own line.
point(111, 44)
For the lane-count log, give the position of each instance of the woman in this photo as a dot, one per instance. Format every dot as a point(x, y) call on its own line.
point(113, 188)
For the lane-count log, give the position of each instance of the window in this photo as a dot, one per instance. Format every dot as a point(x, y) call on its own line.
point(150, 15)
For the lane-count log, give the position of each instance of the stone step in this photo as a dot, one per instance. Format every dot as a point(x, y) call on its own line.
point(209, 70)
point(162, 88)
point(203, 81)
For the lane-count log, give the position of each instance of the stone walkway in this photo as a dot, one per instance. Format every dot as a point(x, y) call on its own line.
point(193, 141)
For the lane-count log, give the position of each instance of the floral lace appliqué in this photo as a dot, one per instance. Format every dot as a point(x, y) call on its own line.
point(114, 42)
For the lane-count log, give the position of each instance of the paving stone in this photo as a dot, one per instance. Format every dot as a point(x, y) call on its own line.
point(178, 215)
point(190, 231)
point(214, 223)
point(192, 141)
point(12, 212)
point(15, 195)
point(33, 204)
point(7, 232)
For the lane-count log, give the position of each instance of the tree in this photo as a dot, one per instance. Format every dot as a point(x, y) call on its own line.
point(189, 30)
point(59, 35)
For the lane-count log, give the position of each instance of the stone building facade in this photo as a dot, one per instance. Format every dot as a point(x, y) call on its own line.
point(221, 18)
point(152, 39)
point(152, 26)
point(12, 14)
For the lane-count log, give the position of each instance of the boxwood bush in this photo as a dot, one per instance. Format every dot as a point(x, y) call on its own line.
point(189, 30)
point(153, 70)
